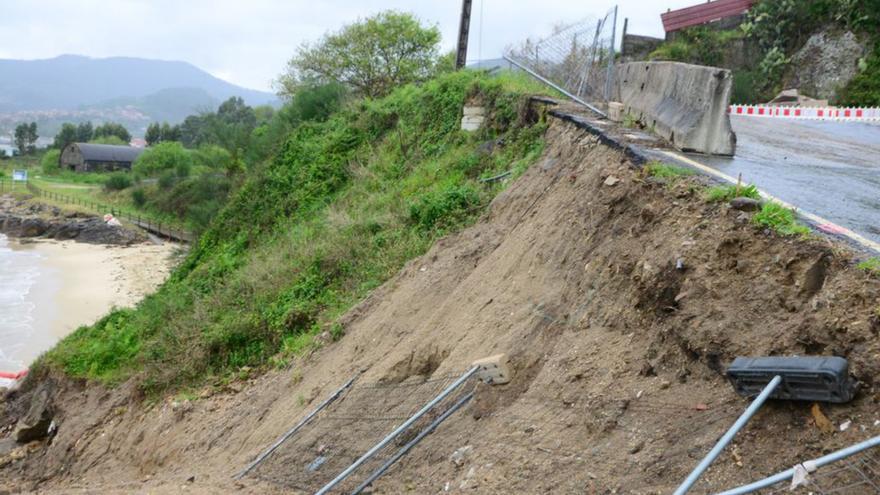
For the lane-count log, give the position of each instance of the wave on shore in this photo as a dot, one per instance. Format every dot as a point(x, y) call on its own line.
point(19, 271)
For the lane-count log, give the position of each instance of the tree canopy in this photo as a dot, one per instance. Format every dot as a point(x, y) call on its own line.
point(112, 129)
point(25, 137)
point(371, 56)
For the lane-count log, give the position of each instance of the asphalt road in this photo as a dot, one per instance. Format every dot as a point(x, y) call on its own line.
point(831, 169)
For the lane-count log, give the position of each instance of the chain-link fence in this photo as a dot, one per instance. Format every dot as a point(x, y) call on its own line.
point(577, 59)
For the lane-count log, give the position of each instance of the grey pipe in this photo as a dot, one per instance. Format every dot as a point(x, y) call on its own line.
point(554, 86)
point(400, 429)
point(260, 458)
point(789, 473)
point(412, 443)
point(716, 450)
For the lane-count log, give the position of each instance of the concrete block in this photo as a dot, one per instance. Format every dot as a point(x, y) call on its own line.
point(495, 370)
point(472, 122)
point(686, 104)
point(470, 111)
point(615, 111)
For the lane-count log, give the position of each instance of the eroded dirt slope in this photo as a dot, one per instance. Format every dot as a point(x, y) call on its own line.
point(620, 300)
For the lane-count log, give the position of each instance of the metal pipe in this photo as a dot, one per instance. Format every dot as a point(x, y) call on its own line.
point(716, 450)
point(821, 461)
point(412, 443)
point(554, 86)
point(400, 429)
point(609, 77)
point(260, 458)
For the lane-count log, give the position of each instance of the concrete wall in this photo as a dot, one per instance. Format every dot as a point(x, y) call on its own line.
point(686, 104)
point(636, 47)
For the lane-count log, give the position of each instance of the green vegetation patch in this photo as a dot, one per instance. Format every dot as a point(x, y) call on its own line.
point(780, 219)
point(667, 171)
point(338, 210)
point(871, 266)
point(718, 194)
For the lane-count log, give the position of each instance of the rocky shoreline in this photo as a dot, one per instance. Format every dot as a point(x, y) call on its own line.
point(20, 218)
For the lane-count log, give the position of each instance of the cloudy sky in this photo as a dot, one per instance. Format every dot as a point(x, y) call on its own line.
point(247, 42)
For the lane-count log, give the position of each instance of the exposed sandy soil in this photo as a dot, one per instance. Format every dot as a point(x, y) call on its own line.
point(619, 354)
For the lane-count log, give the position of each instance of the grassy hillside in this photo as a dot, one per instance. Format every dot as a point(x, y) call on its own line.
point(339, 210)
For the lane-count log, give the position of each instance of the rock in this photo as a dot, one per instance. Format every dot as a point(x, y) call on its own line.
point(33, 227)
point(745, 204)
point(191, 479)
point(826, 63)
point(36, 422)
point(7, 445)
point(637, 447)
point(611, 181)
point(460, 456)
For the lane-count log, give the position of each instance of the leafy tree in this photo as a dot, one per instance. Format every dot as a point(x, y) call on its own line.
point(153, 134)
point(163, 157)
point(68, 134)
point(25, 137)
point(84, 132)
point(50, 162)
point(111, 140)
point(372, 56)
point(113, 129)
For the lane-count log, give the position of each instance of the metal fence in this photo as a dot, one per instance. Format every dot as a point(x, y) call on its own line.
point(577, 59)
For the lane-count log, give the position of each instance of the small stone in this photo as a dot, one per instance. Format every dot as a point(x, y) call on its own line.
point(845, 425)
point(745, 204)
point(191, 479)
point(460, 456)
point(611, 181)
point(664, 384)
point(637, 447)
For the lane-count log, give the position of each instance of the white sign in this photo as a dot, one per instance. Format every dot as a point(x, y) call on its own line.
point(19, 175)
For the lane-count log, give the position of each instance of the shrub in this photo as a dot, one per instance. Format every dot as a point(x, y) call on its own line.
point(164, 156)
point(167, 179)
point(444, 208)
point(780, 219)
point(139, 197)
point(118, 181)
point(50, 162)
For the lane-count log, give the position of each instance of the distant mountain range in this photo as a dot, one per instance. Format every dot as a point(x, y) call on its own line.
point(132, 91)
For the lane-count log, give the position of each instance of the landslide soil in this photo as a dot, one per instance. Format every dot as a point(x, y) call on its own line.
point(620, 305)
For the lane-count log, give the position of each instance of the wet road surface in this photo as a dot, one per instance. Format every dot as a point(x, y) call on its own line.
point(829, 168)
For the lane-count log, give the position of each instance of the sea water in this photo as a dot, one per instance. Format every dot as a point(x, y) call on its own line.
point(19, 274)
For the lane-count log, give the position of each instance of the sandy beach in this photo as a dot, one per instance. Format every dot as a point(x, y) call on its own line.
point(79, 283)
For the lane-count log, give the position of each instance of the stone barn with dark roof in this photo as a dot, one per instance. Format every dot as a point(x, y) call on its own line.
point(87, 157)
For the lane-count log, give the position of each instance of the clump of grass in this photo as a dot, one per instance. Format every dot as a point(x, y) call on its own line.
point(630, 122)
point(871, 266)
point(666, 171)
point(718, 194)
point(780, 219)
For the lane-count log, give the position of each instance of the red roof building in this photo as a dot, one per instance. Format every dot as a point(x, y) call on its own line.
point(696, 15)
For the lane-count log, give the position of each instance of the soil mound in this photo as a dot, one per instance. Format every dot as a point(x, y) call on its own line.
point(619, 298)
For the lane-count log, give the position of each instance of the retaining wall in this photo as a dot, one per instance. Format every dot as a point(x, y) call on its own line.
point(686, 104)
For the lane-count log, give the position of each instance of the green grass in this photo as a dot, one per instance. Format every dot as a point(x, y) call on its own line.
point(718, 194)
point(338, 211)
point(780, 219)
point(870, 266)
point(666, 171)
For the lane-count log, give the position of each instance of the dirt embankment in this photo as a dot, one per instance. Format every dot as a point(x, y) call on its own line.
point(620, 300)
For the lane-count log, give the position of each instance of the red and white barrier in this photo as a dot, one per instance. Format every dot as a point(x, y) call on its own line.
point(10, 379)
point(812, 113)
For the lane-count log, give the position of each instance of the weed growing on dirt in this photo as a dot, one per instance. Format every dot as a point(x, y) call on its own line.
point(780, 219)
point(871, 266)
point(718, 194)
point(630, 122)
point(666, 171)
point(339, 210)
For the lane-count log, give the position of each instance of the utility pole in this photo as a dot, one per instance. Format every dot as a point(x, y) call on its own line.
point(464, 28)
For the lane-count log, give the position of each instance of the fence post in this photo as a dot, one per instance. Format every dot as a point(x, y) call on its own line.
point(609, 78)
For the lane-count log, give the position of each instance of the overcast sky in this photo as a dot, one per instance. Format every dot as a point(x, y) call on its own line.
point(248, 42)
